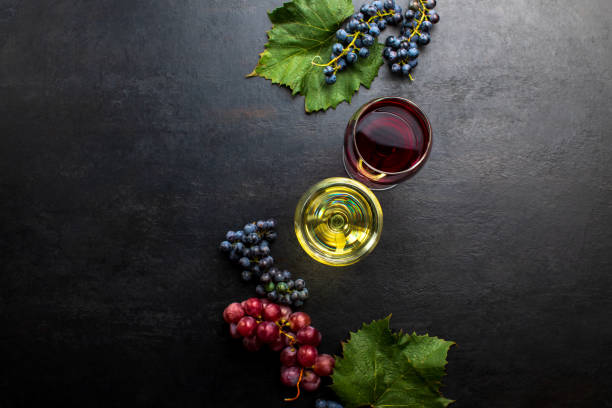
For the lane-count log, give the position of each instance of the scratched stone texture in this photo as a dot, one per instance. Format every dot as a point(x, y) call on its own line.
point(130, 141)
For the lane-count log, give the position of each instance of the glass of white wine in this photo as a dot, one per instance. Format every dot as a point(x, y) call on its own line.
point(338, 221)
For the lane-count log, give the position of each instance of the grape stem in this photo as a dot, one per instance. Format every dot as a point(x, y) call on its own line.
point(298, 388)
point(347, 49)
point(293, 340)
point(416, 29)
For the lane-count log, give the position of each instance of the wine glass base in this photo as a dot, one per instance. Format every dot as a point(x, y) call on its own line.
point(368, 184)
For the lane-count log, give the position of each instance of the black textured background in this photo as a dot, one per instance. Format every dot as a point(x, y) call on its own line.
point(130, 142)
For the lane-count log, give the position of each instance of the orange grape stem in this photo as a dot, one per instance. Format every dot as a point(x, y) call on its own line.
point(298, 388)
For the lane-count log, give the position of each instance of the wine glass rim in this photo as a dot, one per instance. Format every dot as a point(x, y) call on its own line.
point(419, 111)
point(366, 193)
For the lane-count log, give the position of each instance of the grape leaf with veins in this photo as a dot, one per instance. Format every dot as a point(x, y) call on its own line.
point(384, 369)
point(304, 31)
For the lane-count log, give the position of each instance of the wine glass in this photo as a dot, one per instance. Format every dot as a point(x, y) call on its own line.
point(386, 141)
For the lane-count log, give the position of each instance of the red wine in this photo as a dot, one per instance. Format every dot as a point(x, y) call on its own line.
point(386, 142)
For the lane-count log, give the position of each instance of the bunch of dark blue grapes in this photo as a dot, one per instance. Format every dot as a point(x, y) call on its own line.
point(250, 249)
point(321, 403)
point(359, 33)
point(402, 52)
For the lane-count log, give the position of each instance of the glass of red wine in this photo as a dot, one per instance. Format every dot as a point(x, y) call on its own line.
point(386, 141)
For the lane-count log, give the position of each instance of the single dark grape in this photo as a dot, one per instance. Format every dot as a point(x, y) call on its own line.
point(298, 303)
point(253, 307)
point(239, 235)
point(341, 34)
point(265, 263)
point(413, 52)
point(382, 24)
point(273, 296)
point(430, 4)
point(374, 31)
point(265, 277)
point(434, 17)
point(413, 63)
point(351, 57)
point(278, 276)
point(377, 4)
point(334, 404)
point(233, 329)
point(330, 80)
point(299, 284)
point(358, 16)
point(244, 262)
point(277, 345)
point(392, 56)
point(298, 320)
point(303, 294)
point(234, 255)
point(249, 228)
point(337, 48)
point(426, 26)
point(246, 326)
point(406, 69)
point(251, 343)
point(414, 5)
point(389, 4)
point(321, 403)
point(225, 246)
point(409, 14)
point(271, 312)
point(307, 355)
point(260, 224)
point(310, 381)
point(289, 376)
point(367, 40)
point(397, 17)
point(239, 247)
point(256, 270)
point(402, 53)
point(252, 238)
point(234, 312)
point(364, 52)
point(309, 335)
point(424, 39)
point(259, 289)
point(328, 71)
point(324, 365)
point(247, 276)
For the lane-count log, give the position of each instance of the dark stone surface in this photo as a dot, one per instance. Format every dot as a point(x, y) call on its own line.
point(130, 142)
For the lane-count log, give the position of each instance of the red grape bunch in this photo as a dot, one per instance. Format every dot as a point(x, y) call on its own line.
point(259, 322)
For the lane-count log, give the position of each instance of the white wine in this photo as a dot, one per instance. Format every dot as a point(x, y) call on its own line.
point(338, 221)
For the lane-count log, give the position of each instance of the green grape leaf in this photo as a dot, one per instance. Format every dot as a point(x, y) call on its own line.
point(381, 369)
point(304, 31)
